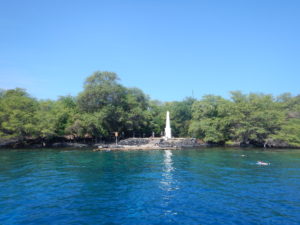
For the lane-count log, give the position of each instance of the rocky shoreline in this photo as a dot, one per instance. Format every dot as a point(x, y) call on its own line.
point(153, 144)
point(40, 143)
point(131, 144)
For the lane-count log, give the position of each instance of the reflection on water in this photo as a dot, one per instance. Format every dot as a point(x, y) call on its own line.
point(167, 180)
point(168, 161)
point(168, 183)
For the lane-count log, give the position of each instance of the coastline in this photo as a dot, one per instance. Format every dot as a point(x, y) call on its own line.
point(152, 144)
point(156, 143)
point(174, 144)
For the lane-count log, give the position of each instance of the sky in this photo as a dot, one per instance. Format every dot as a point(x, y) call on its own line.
point(170, 49)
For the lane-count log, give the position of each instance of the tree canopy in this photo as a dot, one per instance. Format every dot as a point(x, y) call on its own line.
point(105, 106)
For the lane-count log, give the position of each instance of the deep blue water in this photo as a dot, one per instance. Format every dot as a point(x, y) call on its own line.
point(209, 186)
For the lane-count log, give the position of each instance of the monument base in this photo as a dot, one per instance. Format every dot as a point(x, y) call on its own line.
point(153, 144)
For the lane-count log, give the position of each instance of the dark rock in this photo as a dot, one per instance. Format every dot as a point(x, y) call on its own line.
point(9, 143)
point(179, 143)
point(134, 141)
point(275, 143)
point(67, 144)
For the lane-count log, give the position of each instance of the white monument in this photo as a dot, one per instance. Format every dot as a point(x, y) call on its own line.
point(168, 133)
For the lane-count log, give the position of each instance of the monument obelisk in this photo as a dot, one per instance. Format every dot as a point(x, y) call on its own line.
point(168, 133)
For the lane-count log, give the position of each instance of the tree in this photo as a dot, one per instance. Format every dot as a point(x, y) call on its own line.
point(181, 114)
point(55, 117)
point(101, 89)
point(17, 114)
point(157, 116)
point(112, 107)
point(255, 118)
point(289, 132)
point(211, 119)
point(136, 112)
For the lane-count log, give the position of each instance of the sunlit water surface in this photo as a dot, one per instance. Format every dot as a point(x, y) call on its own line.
point(208, 186)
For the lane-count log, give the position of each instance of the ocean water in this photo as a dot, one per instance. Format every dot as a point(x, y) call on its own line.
point(207, 186)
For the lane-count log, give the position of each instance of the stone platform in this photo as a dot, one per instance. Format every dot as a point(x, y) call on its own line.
point(152, 144)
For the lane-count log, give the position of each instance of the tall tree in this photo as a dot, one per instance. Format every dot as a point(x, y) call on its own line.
point(255, 118)
point(55, 117)
point(211, 119)
point(101, 89)
point(17, 114)
point(181, 115)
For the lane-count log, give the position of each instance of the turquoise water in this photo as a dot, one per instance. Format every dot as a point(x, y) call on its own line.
point(209, 186)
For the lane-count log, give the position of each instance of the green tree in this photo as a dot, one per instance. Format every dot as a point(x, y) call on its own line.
point(112, 107)
point(17, 114)
point(181, 115)
point(137, 113)
point(101, 89)
point(55, 117)
point(211, 119)
point(289, 132)
point(255, 118)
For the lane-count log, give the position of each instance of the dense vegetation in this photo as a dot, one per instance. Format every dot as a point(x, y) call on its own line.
point(105, 106)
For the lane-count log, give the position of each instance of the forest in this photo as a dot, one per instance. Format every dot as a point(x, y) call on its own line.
point(106, 106)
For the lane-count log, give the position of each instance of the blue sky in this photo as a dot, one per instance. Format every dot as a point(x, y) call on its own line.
point(170, 49)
